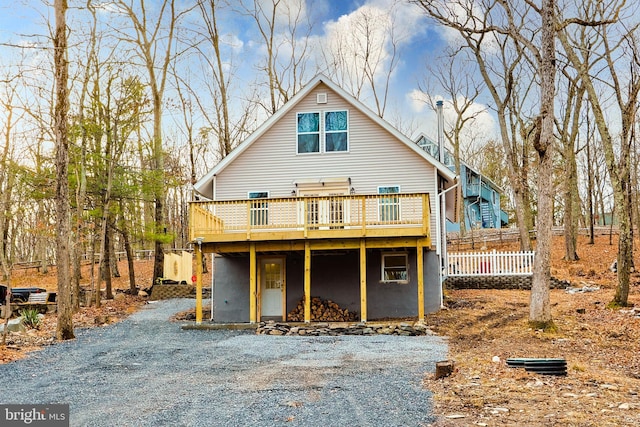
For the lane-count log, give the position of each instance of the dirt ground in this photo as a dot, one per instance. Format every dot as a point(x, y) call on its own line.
point(601, 347)
point(485, 327)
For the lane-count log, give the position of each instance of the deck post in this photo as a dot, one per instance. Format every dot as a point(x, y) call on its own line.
point(253, 315)
point(420, 274)
point(363, 281)
point(199, 283)
point(307, 282)
point(426, 218)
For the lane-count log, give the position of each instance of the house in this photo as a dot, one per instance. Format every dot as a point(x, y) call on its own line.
point(480, 195)
point(324, 200)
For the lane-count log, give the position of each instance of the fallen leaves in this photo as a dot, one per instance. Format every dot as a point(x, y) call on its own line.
point(601, 346)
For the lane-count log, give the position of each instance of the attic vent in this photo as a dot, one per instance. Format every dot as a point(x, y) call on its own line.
point(321, 98)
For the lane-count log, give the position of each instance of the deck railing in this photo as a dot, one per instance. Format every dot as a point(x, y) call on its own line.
point(308, 217)
point(490, 263)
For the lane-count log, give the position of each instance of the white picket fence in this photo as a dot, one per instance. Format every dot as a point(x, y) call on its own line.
point(490, 263)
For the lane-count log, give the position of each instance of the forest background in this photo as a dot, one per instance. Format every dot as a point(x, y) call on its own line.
point(159, 91)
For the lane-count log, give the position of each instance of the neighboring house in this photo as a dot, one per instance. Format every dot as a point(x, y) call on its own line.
point(480, 195)
point(324, 200)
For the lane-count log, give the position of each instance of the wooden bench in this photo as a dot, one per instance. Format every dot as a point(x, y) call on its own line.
point(42, 301)
point(27, 265)
point(38, 298)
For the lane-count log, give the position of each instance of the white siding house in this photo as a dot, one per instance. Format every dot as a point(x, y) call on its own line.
point(324, 184)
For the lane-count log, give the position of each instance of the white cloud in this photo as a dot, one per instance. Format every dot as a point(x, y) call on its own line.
point(366, 37)
point(233, 41)
point(417, 100)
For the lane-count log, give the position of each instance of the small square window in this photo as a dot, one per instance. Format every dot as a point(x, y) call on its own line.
point(395, 268)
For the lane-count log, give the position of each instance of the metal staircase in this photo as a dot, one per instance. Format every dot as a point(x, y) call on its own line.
point(488, 220)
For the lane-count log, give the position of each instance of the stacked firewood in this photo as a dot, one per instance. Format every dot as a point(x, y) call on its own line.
point(322, 311)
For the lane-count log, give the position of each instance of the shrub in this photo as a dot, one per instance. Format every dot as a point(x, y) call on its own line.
point(31, 318)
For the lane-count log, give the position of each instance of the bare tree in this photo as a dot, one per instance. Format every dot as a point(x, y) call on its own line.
point(540, 307)
point(505, 32)
point(217, 81)
point(569, 126)
point(7, 179)
point(285, 28)
point(619, 43)
point(216, 65)
point(497, 49)
point(153, 42)
point(450, 74)
point(363, 55)
point(65, 307)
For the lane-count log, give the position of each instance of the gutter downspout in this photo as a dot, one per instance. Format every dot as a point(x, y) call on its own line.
point(444, 259)
point(442, 238)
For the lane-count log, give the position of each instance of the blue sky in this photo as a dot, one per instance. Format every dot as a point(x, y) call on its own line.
point(418, 44)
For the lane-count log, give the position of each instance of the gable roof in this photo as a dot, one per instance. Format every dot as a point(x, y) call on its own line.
point(443, 171)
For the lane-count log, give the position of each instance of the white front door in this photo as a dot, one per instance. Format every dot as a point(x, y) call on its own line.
point(272, 287)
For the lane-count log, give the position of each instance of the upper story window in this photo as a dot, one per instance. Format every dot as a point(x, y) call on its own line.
point(308, 132)
point(327, 132)
point(336, 127)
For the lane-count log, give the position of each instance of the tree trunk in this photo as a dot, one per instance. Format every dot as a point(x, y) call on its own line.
point(64, 329)
point(540, 309)
point(113, 256)
point(590, 183)
point(129, 251)
point(625, 248)
point(569, 135)
point(107, 264)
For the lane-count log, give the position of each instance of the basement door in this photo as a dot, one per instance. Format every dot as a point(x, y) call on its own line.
point(272, 288)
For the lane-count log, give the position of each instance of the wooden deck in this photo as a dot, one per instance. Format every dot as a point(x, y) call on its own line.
point(309, 224)
point(299, 219)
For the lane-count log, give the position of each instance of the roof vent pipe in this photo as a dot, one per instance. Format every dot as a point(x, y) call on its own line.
point(440, 131)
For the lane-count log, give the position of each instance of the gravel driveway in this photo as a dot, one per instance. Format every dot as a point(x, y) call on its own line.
point(146, 371)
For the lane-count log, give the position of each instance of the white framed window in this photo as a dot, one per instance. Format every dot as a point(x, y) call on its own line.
point(389, 206)
point(336, 131)
point(395, 268)
point(308, 133)
point(259, 209)
point(322, 133)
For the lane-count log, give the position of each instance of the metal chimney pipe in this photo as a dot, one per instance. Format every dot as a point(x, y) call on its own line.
point(440, 131)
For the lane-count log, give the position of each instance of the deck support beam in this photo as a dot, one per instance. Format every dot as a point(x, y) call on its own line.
point(420, 274)
point(307, 282)
point(198, 249)
point(253, 285)
point(363, 281)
